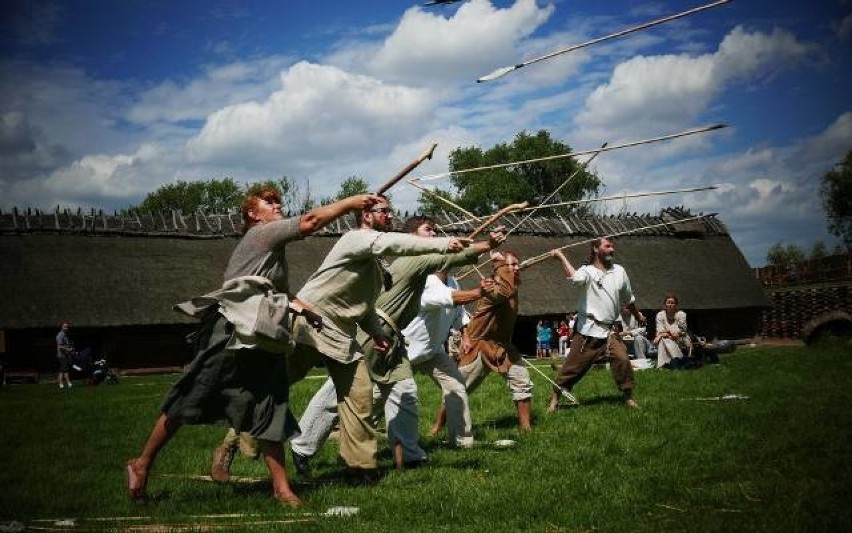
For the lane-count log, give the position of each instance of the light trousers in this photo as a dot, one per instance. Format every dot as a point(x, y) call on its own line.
point(446, 374)
point(517, 378)
point(352, 392)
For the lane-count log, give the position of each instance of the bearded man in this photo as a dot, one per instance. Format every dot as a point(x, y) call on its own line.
point(606, 286)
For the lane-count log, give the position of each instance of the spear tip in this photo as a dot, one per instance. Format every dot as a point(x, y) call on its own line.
point(499, 73)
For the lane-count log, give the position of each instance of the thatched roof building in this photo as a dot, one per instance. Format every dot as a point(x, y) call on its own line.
point(116, 277)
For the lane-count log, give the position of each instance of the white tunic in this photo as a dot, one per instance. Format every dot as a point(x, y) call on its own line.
point(605, 291)
point(425, 335)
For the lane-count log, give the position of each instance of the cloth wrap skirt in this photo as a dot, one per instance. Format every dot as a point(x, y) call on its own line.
point(246, 389)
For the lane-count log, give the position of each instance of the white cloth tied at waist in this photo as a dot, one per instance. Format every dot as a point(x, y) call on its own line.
point(258, 312)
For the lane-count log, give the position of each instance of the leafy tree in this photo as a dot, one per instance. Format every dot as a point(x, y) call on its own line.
point(429, 205)
point(213, 196)
point(351, 186)
point(836, 192)
point(483, 192)
point(293, 199)
point(818, 251)
point(780, 254)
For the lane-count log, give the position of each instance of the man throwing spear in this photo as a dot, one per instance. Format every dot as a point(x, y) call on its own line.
point(487, 340)
point(606, 286)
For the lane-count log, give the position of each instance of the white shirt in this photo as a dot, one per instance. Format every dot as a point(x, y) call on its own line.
point(605, 291)
point(425, 335)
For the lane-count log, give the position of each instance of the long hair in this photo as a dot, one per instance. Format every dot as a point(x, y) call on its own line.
point(595, 244)
point(250, 204)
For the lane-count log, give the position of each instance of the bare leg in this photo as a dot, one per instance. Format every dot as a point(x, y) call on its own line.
point(440, 420)
point(273, 456)
point(524, 424)
point(397, 456)
point(137, 469)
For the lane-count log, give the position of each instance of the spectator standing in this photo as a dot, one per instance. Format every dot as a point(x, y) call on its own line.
point(563, 332)
point(543, 338)
point(64, 347)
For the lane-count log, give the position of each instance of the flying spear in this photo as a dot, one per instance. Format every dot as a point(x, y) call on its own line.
point(500, 72)
point(694, 131)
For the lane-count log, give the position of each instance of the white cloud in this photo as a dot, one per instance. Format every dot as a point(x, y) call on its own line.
point(659, 93)
point(428, 48)
point(320, 114)
point(23, 148)
point(68, 107)
point(92, 179)
point(218, 86)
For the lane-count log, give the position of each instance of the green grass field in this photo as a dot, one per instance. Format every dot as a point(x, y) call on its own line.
point(780, 460)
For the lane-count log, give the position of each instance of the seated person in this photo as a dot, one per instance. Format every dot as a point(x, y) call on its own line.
point(634, 338)
point(672, 336)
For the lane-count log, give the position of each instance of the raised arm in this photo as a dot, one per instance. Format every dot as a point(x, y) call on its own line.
point(316, 219)
point(566, 264)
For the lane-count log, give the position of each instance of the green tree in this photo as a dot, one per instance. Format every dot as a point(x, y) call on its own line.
point(293, 199)
point(483, 192)
point(836, 192)
point(213, 196)
point(429, 205)
point(780, 254)
point(351, 186)
point(818, 251)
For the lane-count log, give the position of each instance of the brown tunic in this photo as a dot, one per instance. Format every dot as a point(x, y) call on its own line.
point(490, 329)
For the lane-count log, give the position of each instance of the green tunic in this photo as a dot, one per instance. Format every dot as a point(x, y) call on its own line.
point(402, 303)
point(345, 287)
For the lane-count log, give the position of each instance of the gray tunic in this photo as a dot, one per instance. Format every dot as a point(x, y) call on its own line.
point(246, 389)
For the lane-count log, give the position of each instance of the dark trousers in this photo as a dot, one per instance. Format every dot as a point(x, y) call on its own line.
point(583, 354)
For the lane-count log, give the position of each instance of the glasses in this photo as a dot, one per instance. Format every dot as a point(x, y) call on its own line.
point(385, 210)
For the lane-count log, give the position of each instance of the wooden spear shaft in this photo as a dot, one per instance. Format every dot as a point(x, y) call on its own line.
point(695, 131)
point(590, 200)
point(440, 198)
point(451, 204)
point(500, 72)
point(563, 184)
point(427, 154)
point(539, 258)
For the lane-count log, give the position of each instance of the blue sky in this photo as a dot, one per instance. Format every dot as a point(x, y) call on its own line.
point(102, 101)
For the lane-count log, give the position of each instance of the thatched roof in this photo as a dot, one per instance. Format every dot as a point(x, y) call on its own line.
point(99, 270)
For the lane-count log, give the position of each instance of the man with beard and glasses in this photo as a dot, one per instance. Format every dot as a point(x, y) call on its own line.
point(606, 287)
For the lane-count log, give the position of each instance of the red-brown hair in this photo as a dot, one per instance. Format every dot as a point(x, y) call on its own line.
point(270, 194)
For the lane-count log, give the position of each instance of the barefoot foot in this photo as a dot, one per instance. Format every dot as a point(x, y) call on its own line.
point(137, 478)
point(288, 498)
